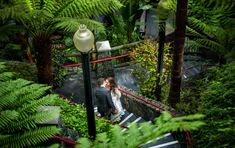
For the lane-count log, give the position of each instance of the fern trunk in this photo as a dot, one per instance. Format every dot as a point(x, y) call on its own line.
point(42, 46)
point(178, 51)
point(25, 44)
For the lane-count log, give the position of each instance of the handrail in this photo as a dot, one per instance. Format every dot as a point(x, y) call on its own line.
point(147, 102)
point(97, 61)
point(106, 50)
point(65, 140)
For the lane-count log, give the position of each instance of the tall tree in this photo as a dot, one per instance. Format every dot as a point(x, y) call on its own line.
point(178, 51)
point(42, 19)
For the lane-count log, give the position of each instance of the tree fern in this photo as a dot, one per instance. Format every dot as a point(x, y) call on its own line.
point(20, 103)
point(209, 28)
point(41, 19)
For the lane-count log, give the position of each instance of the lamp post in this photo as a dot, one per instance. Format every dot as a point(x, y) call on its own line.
point(84, 40)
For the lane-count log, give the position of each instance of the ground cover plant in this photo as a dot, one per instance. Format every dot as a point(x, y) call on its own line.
point(74, 117)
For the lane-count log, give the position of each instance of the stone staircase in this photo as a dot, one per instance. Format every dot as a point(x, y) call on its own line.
point(166, 141)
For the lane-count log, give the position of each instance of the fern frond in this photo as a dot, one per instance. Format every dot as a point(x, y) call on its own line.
point(50, 6)
point(210, 44)
point(194, 33)
point(12, 11)
point(33, 105)
point(6, 76)
point(28, 138)
point(28, 92)
point(72, 24)
point(86, 9)
point(7, 117)
point(117, 137)
point(165, 7)
point(31, 121)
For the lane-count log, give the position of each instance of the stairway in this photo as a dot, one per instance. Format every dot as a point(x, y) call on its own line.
point(166, 141)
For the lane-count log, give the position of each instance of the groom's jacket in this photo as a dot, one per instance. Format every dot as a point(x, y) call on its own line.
point(104, 101)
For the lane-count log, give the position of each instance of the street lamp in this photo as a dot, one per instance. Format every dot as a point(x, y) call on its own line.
point(84, 40)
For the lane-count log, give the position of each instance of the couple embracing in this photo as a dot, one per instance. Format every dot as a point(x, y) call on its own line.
point(108, 99)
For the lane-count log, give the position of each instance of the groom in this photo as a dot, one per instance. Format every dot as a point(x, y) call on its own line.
point(104, 101)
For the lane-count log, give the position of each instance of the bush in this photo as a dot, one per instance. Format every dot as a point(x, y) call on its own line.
point(74, 117)
point(145, 57)
point(217, 103)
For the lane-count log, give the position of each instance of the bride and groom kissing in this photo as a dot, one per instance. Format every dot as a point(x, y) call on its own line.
point(108, 99)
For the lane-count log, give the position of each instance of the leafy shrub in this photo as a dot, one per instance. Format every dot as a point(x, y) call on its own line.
point(139, 134)
point(22, 70)
point(217, 103)
point(145, 56)
point(74, 117)
point(20, 120)
point(59, 72)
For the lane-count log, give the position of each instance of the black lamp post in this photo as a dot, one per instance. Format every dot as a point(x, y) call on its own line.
point(84, 40)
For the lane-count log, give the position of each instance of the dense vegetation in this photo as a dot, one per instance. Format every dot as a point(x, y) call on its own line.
point(21, 121)
point(213, 96)
point(217, 103)
point(31, 31)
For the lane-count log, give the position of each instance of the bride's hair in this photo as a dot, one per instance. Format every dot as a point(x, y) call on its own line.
point(112, 84)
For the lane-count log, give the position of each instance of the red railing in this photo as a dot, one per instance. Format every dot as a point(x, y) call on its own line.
point(146, 101)
point(97, 61)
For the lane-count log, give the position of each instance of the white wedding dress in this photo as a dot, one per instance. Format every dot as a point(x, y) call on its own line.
point(117, 103)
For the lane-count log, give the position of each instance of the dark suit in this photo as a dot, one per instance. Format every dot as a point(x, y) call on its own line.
point(104, 101)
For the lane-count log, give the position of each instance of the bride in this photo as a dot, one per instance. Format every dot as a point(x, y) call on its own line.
point(116, 95)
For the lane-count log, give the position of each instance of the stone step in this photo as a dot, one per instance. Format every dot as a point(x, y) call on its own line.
point(130, 118)
point(166, 141)
point(172, 144)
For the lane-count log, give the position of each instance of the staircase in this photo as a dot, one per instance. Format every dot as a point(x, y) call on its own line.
point(166, 141)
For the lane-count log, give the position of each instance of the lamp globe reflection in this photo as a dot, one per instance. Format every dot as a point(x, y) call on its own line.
point(83, 39)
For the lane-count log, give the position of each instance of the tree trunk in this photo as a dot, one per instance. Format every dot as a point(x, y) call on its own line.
point(25, 44)
point(178, 51)
point(42, 45)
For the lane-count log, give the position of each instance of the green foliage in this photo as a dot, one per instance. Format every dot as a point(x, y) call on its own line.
point(42, 19)
point(59, 72)
point(22, 70)
point(74, 117)
point(145, 56)
point(210, 26)
point(37, 17)
point(217, 103)
point(19, 121)
point(139, 134)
